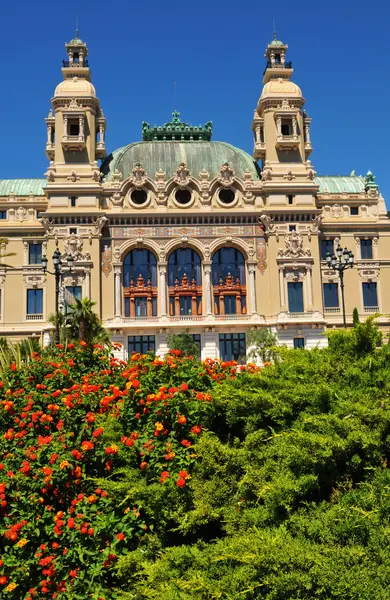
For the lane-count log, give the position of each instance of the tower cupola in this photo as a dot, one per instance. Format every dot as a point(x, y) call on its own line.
point(77, 63)
point(277, 66)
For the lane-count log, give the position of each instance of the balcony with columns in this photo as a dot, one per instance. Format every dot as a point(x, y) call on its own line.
point(184, 302)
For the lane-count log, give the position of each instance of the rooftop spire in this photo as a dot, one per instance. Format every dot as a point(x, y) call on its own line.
point(274, 30)
point(77, 27)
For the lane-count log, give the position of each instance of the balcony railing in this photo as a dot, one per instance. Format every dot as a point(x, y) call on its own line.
point(270, 65)
point(187, 318)
point(67, 63)
point(231, 317)
point(34, 317)
point(371, 309)
point(332, 310)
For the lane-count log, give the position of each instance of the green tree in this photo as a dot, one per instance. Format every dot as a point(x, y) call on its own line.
point(263, 344)
point(84, 324)
point(355, 317)
point(183, 341)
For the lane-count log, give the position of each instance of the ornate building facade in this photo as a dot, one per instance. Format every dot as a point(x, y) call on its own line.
point(181, 232)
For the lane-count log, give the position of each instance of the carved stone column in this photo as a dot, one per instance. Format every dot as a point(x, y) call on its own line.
point(88, 283)
point(279, 127)
point(252, 287)
point(294, 124)
point(118, 290)
point(283, 306)
point(209, 292)
point(162, 284)
point(309, 289)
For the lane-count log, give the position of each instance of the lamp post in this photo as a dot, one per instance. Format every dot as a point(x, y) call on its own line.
point(342, 260)
point(58, 272)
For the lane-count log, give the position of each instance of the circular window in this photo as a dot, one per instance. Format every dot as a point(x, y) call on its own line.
point(226, 196)
point(183, 196)
point(139, 196)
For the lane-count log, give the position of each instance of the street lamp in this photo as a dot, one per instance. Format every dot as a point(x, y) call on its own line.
point(342, 260)
point(58, 272)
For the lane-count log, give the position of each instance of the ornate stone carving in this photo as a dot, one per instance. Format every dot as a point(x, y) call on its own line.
point(106, 260)
point(182, 175)
point(73, 245)
point(266, 223)
point(73, 177)
point(117, 252)
point(73, 105)
point(315, 224)
point(336, 211)
point(289, 176)
point(227, 175)
point(50, 173)
point(33, 280)
point(139, 175)
point(294, 247)
point(116, 199)
point(21, 214)
point(98, 225)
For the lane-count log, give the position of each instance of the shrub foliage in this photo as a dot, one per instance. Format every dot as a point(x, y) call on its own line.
point(183, 480)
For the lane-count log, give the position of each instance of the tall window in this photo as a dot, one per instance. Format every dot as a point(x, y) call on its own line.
point(232, 346)
point(331, 295)
point(370, 297)
point(366, 249)
point(299, 343)
point(326, 246)
point(35, 254)
point(229, 289)
point(139, 262)
point(3, 214)
point(140, 283)
point(72, 292)
point(295, 296)
point(35, 302)
point(185, 282)
point(141, 344)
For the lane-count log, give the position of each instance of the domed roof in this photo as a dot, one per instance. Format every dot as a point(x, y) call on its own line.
point(76, 86)
point(280, 88)
point(276, 43)
point(167, 155)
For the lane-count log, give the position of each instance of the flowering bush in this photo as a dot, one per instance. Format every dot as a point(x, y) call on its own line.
point(78, 425)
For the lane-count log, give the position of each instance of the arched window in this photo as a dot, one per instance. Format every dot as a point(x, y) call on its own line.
point(229, 287)
point(140, 283)
point(184, 282)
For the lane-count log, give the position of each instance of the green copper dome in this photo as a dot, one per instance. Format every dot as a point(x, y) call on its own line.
point(167, 155)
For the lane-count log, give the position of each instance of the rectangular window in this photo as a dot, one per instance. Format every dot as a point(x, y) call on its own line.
point(326, 246)
point(230, 305)
point(370, 298)
point(34, 302)
point(299, 343)
point(186, 305)
point(74, 128)
point(354, 211)
point(290, 199)
point(73, 201)
point(295, 296)
point(39, 214)
point(292, 227)
point(35, 254)
point(232, 346)
point(331, 295)
point(3, 214)
point(141, 344)
point(71, 293)
point(366, 249)
point(285, 129)
point(141, 307)
point(73, 230)
point(198, 340)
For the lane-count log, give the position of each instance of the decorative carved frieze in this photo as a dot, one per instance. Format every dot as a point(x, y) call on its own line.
point(73, 246)
point(294, 247)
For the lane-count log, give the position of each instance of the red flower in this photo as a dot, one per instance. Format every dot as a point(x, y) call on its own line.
point(70, 346)
point(181, 482)
point(164, 476)
point(183, 474)
point(98, 432)
point(120, 536)
point(77, 455)
point(83, 343)
point(13, 367)
point(3, 580)
point(184, 387)
point(86, 445)
point(196, 429)
point(182, 419)
point(143, 466)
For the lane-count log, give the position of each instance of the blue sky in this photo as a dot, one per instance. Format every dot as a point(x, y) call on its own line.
point(214, 50)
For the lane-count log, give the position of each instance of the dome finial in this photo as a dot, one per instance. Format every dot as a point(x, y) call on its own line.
point(77, 27)
point(275, 38)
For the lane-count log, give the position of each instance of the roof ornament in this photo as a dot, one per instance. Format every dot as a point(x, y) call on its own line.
point(369, 183)
point(176, 130)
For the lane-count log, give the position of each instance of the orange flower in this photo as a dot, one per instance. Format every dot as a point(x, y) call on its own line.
point(83, 343)
point(182, 419)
